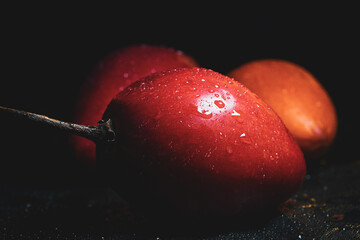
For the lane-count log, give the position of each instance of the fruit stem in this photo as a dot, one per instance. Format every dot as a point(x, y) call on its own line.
point(103, 132)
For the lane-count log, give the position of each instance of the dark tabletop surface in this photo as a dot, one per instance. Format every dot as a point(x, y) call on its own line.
point(326, 207)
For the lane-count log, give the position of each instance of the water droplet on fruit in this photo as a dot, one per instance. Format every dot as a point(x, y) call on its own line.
point(219, 103)
point(243, 139)
point(264, 153)
point(158, 115)
point(171, 144)
point(221, 135)
point(207, 114)
point(214, 103)
point(229, 149)
point(235, 113)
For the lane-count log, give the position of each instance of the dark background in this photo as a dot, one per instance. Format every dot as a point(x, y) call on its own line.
point(48, 51)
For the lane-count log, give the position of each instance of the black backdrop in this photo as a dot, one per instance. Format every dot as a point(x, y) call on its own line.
point(48, 51)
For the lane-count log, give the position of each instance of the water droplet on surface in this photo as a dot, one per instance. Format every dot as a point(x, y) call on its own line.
point(219, 103)
point(242, 135)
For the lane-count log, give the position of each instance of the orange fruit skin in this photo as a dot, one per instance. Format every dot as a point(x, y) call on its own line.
point(297, 97)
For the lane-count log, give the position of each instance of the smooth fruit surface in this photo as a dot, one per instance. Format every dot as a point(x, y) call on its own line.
point(297, 97)
point(113, 74)
point(198, 143)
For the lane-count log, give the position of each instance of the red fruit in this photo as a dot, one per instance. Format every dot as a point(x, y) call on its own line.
point(297, 97)
point(112, 75)
point(192, 142)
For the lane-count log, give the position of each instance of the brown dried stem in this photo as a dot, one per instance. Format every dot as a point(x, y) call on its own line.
point(100, 133)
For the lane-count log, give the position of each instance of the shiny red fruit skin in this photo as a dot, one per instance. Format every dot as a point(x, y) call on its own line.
point(113, 74)
point(196, 143)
